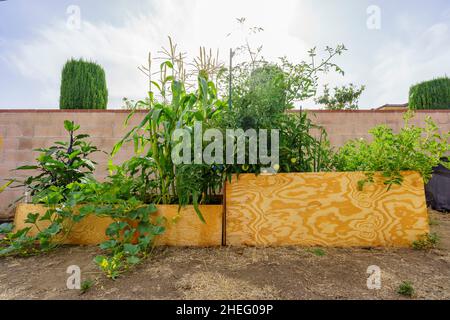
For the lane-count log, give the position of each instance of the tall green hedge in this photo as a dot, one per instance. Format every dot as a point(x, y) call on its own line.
point(433, 94)
point(83, 86)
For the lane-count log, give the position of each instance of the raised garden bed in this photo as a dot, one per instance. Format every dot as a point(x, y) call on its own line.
point(307, 209)
point(325, 209)
point(182, 228)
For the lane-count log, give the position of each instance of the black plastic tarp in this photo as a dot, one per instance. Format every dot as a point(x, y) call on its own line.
point(438, 189)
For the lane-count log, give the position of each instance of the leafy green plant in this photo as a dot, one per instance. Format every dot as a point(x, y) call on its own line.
point(134, 229)
point(83, 86)
point(406, 289)
point(317, 252)
point(58, 168)
point(263, 91)
point(51, 228)
point(304, 146)
point(343, 98)
point(433, 94)
point(152, 167)
point(413, 148)
point(61, 164)
point(426, 241)
point(86, 285)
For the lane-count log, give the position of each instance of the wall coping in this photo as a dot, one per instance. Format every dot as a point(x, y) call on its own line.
point(143, 111)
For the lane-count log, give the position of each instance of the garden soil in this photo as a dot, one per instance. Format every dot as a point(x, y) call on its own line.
point(240, 273)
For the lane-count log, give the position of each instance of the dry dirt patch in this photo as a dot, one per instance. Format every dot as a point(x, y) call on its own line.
point(239, 273)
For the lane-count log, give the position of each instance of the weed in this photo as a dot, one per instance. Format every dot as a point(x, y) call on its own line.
point(406, 289)
point(426, 241)
point(433, 222)
point(317, 252)
point(86, 285)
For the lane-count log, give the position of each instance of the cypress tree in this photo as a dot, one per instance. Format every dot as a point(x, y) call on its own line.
point(83, 86)
point(433, 94)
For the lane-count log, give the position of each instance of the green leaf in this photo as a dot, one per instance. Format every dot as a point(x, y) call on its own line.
point(47, 216)
point(53, 229)
point(108, 244)
point(158, 230)
point(133, 260)
point(197, 209)
point(3, 187)
point(21, 233)
point(6, 228)
point(145, 241)
point(115, 227)
point(27, 168)
point(144, 228)
point(98, 259)
point(74, 154)
point(32, 218)
point(131, 249)
point(68, 125)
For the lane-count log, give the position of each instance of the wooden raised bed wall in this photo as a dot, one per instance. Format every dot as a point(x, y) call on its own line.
point(182, 229)
point(307, 209)
point(324, 209)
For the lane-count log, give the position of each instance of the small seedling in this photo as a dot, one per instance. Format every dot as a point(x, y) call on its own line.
point(433, 222)
point(406, 289)
point(426, 241)
point(318, 252)
point(86, 285)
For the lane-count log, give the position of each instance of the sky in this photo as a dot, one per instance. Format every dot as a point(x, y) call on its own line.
point(391, 44)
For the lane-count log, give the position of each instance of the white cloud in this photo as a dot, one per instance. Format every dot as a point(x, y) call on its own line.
point(120, 49)
point(386, 61)
point(399, 64)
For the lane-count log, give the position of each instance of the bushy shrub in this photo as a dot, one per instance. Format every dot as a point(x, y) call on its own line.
point(342, 98)
point(433, 94)
point(83, 86)
point(63, 163)
point(413, 148)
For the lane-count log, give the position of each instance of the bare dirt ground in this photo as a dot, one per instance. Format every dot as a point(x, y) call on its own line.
point(240, 273)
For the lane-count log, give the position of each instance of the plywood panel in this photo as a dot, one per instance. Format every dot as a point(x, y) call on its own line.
point(184, 228)
point(324, 209)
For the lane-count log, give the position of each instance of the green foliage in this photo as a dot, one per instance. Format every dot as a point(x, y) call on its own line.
point(131, 236)
point(343, 98)
point(413, 148)
point(61, 164)
point(263, 91)
point(259, 96)
point(406, 289)
point(433, 94)
point(317, 252)
point(86, 285)
point(21, 243)
point(6, 185)
point(304, 146)
point(58, 169)
point(426, 241)
point(152, 168)
point(83, 86)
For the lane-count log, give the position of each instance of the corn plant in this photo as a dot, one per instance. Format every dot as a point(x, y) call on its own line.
point(152, 166)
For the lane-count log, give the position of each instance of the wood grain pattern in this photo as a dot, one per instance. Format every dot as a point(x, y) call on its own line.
point(183, 228)
point(324, 209)
point(186, 229)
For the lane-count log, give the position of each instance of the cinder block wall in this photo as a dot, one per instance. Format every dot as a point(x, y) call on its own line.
point(21, 131)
